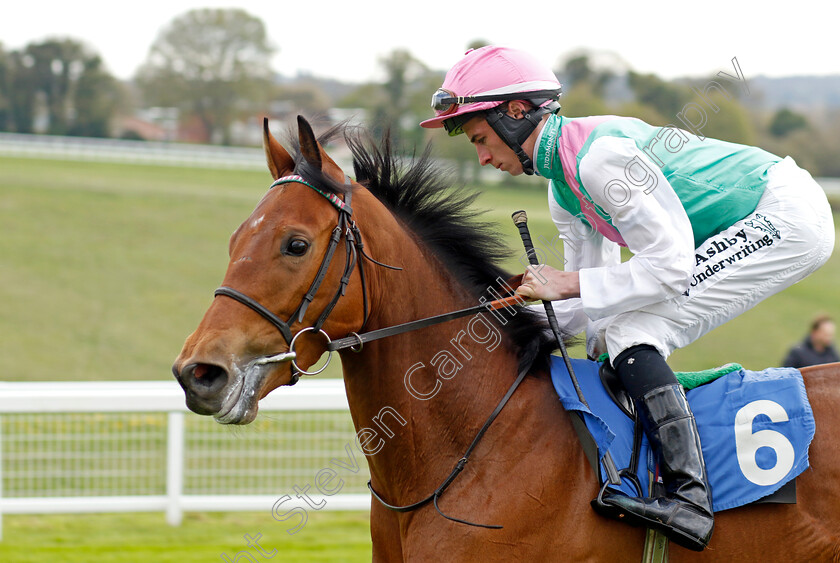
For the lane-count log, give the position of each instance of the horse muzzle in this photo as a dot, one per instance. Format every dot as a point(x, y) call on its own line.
point(229, 394)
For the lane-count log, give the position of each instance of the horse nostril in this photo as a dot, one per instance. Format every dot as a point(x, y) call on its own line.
point(204, 379)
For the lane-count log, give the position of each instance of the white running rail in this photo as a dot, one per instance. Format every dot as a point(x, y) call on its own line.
point(118, 446)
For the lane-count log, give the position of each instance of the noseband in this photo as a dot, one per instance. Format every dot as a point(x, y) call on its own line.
point(353, 248)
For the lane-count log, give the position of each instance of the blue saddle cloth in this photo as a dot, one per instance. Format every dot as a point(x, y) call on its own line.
point(755, 429)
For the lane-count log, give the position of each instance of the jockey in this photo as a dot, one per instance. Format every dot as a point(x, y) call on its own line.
point(713, 228)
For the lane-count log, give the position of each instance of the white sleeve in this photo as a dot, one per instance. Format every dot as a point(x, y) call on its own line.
point(582, 248)
point(644, 208)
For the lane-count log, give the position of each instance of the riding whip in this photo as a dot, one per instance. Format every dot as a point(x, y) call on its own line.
point(520, 219)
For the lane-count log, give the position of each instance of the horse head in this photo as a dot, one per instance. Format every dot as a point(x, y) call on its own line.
point(290, 286)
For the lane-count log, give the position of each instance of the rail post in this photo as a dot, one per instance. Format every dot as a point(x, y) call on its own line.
point(174, 467)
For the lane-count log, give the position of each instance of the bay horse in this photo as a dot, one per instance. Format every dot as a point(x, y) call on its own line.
point(418, 399)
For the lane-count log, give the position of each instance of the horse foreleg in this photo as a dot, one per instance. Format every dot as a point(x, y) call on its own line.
point(385, 534)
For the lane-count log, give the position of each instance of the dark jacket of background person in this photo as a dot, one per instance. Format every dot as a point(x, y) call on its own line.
point(817, 348)
point(804, 354)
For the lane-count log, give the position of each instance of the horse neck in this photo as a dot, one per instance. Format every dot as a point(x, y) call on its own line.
point(418, 399)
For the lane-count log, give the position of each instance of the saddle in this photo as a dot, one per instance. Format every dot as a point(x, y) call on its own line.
point(618, 394)
point(616, 391)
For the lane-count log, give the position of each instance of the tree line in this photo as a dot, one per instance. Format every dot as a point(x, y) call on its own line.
point(63, 79)
point(213, 66)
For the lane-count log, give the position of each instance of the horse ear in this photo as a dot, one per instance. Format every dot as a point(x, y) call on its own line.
point(309, 148)
point(280, 163)
point(314, 153)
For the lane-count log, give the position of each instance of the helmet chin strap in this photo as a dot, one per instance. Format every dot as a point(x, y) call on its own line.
point(514, 131)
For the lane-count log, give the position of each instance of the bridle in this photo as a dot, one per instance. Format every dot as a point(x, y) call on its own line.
point(354, 247)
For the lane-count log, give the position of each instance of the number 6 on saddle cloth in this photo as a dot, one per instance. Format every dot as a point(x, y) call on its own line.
point(755, 429)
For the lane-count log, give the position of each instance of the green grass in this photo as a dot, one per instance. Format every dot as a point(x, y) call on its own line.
point(107, 268)
point(328, 537)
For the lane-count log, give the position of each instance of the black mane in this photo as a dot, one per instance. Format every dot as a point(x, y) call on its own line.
point(420, 193)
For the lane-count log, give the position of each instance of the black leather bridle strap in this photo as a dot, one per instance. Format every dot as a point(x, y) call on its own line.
point(284, 326)
point(344, 212)
point(350, 259)
point(359, 247)
point(319, 276)
point(459, 467)
point(281, 325)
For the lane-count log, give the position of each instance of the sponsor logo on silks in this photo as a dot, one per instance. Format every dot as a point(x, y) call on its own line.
point(722, 254)
point(762, 223)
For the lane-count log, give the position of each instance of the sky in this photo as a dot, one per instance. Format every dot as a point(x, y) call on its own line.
point(345, 39)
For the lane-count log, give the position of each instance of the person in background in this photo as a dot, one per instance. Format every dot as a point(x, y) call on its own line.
point(817, 348)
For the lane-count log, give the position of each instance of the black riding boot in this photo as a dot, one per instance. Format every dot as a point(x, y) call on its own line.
point(685, 513)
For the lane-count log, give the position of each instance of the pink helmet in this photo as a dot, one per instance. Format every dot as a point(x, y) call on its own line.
point(485, 78)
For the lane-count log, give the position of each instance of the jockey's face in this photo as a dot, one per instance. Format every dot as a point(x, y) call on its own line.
point(490, 147)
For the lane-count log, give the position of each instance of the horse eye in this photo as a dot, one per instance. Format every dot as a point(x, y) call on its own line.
point(297, 247)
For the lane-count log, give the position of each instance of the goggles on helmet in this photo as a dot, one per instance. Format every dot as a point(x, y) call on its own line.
point(445, 102)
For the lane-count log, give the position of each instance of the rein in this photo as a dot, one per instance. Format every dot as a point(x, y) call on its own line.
point(357, 341)
point(460, 465)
